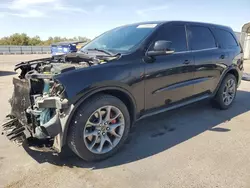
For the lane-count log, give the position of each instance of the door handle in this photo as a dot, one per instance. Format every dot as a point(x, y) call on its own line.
point(222, 56)
point(186, 62)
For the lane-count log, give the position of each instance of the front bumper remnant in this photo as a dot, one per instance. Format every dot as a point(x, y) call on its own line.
point(50, 129)
point(14, 130)
point(46, 133)
point(51, 102)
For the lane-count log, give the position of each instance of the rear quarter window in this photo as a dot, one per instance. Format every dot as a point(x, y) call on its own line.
point(201, 38)
point(225, 38)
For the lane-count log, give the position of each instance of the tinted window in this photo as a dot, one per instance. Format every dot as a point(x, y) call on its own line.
point(225, 38)
point(201, 38)
point(176, 34)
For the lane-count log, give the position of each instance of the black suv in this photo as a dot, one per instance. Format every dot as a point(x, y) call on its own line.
point(90, 99)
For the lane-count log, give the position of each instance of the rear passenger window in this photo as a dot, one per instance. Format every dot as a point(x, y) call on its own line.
point(225, 38)
point(176, 34)
point(201, 38)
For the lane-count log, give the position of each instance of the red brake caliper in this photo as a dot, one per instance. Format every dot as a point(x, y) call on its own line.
point(114, 120)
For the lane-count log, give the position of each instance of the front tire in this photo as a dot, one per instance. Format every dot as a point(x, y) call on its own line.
point(226, 93)
point(99, 127)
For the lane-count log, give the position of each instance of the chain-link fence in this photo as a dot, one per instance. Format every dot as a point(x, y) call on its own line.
point(24, 50)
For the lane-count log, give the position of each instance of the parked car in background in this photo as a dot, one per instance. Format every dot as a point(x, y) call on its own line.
point(66, 47)
point(90, 101)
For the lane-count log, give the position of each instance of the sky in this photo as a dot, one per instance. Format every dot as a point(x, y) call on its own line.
point(89, 18)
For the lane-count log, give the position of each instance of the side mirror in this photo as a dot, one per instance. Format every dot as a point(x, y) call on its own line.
point(161, 47)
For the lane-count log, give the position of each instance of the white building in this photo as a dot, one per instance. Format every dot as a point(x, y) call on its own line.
point(245, 40)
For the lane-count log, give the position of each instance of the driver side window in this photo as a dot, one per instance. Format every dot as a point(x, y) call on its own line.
point(176, 34)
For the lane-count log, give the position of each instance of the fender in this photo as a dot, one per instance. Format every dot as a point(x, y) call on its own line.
point(90, 93)
point(231, 68)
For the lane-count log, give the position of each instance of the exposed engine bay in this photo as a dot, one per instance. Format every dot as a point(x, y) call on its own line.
point(38, 101)
point(59, 64)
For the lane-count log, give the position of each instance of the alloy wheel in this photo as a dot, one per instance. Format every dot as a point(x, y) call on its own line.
point(229, 92)
point(104, 129)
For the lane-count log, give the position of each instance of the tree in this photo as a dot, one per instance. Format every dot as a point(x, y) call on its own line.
point(24, 40)
point(83, 39)
point(4, 41)
point(19, 39)
point(35, 41)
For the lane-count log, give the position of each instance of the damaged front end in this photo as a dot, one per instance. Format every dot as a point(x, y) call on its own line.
point(35, 112)
point(39, 105)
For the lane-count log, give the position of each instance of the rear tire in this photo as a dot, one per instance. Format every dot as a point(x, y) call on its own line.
point(227, 92)
point(105, 137)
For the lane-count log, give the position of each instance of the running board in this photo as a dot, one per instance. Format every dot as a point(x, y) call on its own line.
point(176, 106)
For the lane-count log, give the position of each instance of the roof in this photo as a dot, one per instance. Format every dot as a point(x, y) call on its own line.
point(246, 28)
point(183, 22)
point(68, 42)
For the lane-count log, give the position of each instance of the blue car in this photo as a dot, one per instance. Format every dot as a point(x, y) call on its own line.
point(64, 47)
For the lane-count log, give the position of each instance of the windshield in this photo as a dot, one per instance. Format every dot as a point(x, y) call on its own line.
point(121, 39)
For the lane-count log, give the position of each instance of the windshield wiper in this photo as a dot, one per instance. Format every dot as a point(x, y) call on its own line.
point(101, 50)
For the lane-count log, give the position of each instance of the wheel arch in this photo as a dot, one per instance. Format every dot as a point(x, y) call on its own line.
point(230, 70)
point(233, 72)
point(125, 96)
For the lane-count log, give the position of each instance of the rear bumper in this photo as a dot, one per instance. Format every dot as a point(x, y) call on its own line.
point(58, 53)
